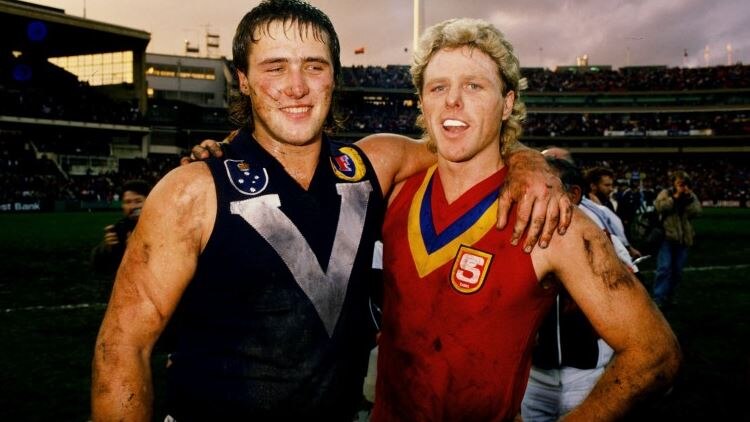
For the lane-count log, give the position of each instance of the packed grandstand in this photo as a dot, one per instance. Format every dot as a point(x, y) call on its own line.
point(67, 144)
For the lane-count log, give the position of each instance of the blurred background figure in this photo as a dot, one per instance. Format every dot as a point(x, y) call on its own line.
point(106, 256)
point(676, 206)
point(601, 182)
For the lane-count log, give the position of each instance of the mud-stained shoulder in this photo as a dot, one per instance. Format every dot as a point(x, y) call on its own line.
point(603, 260)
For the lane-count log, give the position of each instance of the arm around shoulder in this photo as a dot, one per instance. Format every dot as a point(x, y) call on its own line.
point(158, 264)
point(543, 205)
point(396, 157)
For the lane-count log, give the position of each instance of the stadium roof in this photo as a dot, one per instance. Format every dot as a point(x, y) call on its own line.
point(50, 32)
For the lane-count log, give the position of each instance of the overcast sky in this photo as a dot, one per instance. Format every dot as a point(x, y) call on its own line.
point(545, 33)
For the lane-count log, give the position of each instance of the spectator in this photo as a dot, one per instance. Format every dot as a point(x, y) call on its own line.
point(599, 182)
point(677, 206)
point(107, 255)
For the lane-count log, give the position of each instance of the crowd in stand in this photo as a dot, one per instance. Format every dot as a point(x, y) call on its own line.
point(637, 79)
point(390, 77)
point(370, 118)
point(26, 177)
point(53, 93)
point(654, 124)
point(393, 118)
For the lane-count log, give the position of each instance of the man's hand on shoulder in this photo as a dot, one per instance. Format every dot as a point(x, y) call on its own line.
point(210, 148)
point(542, 202)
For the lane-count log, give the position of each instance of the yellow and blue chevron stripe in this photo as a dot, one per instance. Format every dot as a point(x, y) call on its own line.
point(430, 249)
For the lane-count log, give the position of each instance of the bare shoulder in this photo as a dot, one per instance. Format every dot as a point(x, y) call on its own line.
point(185, 197)
point(580, 231)
point(585, 249)
point(183, 186)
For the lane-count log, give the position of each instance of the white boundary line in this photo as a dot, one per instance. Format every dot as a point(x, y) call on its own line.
point(708, 268)
point(56, 308)
point(718, 267)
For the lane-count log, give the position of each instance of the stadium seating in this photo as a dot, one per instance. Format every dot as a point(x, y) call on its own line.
point(642, 107)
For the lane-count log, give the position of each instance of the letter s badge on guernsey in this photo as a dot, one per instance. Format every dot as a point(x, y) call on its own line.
point(348, 165)
point(245, 178)
point(470, 268)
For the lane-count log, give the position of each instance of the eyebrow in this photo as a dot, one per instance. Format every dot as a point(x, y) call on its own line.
point(277, 60)
point(463, 77)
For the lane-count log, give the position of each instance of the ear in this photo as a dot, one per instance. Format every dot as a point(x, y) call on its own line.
point(510, 99)
point(576, 194)
point(244, 83)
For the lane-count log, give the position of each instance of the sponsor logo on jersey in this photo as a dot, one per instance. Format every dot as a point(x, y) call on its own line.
point(247, 179)
point(470, 268)
point(348, 165)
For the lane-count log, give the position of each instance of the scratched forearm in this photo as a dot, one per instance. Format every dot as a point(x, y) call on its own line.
point(121, 384)
point(628, 380)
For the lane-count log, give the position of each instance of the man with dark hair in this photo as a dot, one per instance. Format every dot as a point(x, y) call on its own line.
point(601, 183)
point(262, 258)
point(106, 256)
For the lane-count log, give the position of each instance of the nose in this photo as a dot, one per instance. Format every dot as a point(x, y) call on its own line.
point(296, 86)
point(453, 98)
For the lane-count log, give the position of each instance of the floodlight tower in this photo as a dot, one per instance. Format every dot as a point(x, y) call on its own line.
point(729, 54)
point(706, 55)
point(417, 23)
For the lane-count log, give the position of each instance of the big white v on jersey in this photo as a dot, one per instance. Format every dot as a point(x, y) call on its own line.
point(276, 321)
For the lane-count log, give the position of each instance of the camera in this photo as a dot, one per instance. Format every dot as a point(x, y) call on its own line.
point(123, 228)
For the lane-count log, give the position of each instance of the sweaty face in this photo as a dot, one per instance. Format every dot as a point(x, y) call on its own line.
point(290, 83)
point(132, 202)
point(463, 104)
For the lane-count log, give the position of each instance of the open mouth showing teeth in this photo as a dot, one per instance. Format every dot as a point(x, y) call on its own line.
point(296, 110)
point(451, 123)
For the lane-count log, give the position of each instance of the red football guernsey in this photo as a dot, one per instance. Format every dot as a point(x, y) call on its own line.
point(461, 307)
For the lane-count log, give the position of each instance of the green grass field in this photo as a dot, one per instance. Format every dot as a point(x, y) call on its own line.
point(51, 305)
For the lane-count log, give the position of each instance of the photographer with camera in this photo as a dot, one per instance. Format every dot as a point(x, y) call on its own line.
point(107, 255)
point(676, 206)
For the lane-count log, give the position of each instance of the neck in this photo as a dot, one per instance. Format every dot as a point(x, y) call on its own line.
point(458, 178)
point(299, 161)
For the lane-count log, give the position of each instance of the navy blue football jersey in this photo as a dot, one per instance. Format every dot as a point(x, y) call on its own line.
point(276, 321)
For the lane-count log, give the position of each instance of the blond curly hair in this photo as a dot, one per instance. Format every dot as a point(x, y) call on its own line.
point(475, 33)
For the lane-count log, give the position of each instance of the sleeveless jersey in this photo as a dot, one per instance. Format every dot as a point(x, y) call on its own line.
point(276, 322)
point(461, 308)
